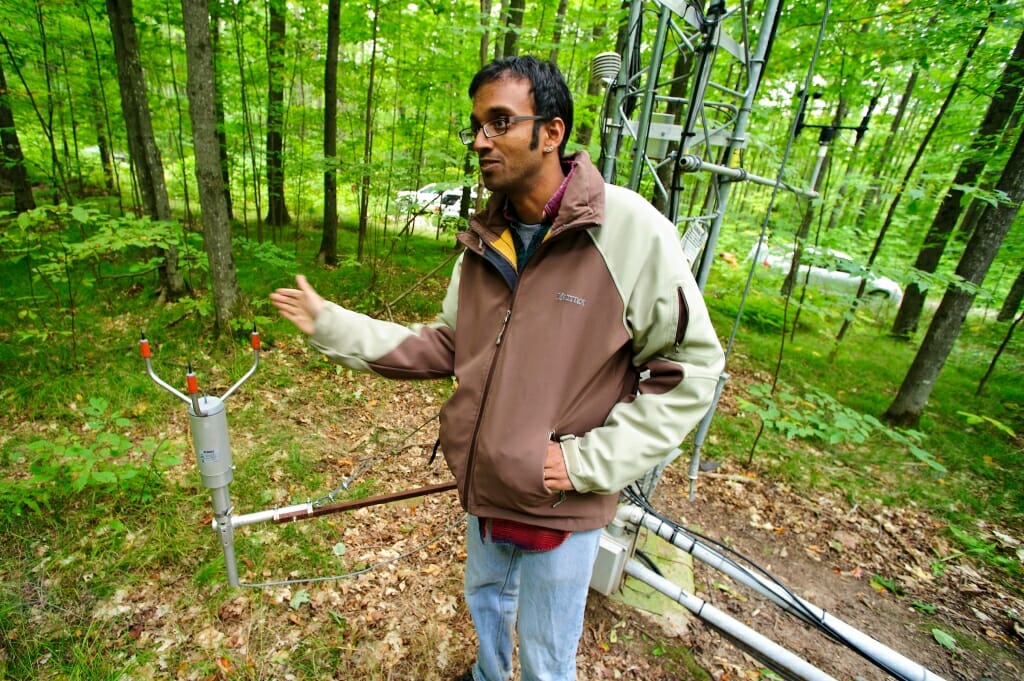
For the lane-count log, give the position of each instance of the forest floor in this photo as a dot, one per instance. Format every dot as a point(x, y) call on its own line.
point(878, 569)
point(399, 612)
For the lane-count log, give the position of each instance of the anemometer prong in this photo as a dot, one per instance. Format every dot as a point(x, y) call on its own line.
point(209, 423)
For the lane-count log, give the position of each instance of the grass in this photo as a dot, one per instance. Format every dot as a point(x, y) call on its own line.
point(123, 577)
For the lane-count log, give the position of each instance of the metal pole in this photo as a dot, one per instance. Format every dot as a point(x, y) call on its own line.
point(617, 95)
point(738, 138)
point(650, 87)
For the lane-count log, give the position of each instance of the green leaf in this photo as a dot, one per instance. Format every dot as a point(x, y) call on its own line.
point(944, 639)
point(301, 596)
point(339, 549)
point(104, 477)
point(80, 214)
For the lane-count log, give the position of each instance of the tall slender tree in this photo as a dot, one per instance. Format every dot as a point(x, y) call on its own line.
point(203, 113)
point(277, 208)
point(364, 184)
point(999, 111)
point(921, 148)
point(513, 27)
point(1013, 299)
point(217, 13)
point(556, 36)
point(328, 253)
point(12, 160)
point(149, 168)
point(910, 401)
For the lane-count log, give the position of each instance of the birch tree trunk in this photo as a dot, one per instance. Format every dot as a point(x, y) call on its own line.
point(202, 110)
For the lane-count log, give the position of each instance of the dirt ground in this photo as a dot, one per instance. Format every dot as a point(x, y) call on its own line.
point(834, 555)
point(874, 568)
point(829, 553)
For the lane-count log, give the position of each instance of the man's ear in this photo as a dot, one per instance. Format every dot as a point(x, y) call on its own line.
point(554, 133)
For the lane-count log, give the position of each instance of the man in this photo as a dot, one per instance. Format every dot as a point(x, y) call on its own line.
point(583, 354)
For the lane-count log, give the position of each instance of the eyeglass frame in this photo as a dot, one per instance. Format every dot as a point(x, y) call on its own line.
point(471, 132)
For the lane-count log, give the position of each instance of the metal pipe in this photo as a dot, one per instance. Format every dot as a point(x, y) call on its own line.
point(702, 434)
point(616, 95)
point(169, 388)
point(644, 123)
point(271, 515)
point(782, 661)
point(255, 340)
point(738, 139)
point(691, 163)
point(879, 654)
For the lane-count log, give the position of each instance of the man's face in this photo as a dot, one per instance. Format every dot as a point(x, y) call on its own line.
point(507, 163)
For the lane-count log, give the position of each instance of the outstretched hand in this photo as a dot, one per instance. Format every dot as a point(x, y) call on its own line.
point(300, 306)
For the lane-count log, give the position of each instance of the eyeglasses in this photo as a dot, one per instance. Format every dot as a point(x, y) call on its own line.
point(495, 128)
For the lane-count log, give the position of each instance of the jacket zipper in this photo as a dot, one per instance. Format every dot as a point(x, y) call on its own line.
point(471, 459)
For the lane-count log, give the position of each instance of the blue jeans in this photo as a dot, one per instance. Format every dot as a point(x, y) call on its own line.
point(547, 611)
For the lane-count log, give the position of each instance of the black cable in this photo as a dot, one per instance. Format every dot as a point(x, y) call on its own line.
point(638, 498)
point(646, 560)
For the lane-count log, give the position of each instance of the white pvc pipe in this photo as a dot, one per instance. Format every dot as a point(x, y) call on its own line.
point(264, 516)
point(783, 661)
point(878, 653)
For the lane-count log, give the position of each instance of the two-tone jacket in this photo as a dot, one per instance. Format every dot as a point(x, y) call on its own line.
point(601, 342)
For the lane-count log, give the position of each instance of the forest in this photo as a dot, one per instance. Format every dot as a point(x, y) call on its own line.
point(165, 166)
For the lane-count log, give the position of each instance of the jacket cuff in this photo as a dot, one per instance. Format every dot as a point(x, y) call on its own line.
point(571, 454)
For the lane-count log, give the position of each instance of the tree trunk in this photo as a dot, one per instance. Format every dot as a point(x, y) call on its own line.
point(216, 14)
point(891, 214)
point(329, 240)
point(485, 34)
point(884, 156)
point(999, 353)
point(804, 229)
point(681, 72)
point(556, 37)
point(585, 124)
point(364, 190)
point(149, 169)
point(12, 160)
point(277, 209)
point(999, 110)
point(104, 133)
point(913, 394)
point(202, 110)
point(513, 26)
point(1013, 299)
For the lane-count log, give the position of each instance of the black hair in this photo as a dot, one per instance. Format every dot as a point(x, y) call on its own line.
point(551, 98)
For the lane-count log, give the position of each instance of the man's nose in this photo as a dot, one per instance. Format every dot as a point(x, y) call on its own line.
point(480, 139)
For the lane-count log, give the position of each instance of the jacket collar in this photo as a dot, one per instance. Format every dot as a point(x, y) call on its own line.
point(581, 203)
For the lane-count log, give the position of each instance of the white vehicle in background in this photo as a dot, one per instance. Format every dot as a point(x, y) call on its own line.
point(451, 201)
point(436, 197)
point(424, 199)
point(830, 270)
